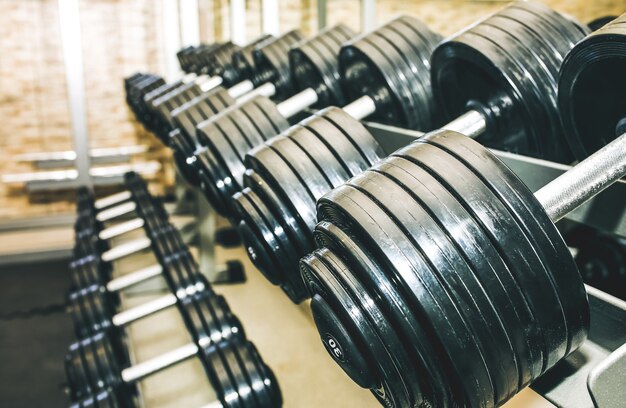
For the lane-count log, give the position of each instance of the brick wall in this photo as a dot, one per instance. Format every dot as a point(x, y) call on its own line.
point(123, 36)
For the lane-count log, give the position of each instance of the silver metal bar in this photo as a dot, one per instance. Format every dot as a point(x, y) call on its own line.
point(589, 177)
point(121, 228)
point(73, 58)
point(238, 21)
point(126, 249)
point(134, 278)
point(368, 15)
point(360, 108)
point(146, 368)
point(241, 88)
point(139, 312)
point(211, 83)
point(297, 103)
point(117, 211)
point(61, 179)
point(472, 124)
point(112, 199)
point(270, 17)
point(268, 90)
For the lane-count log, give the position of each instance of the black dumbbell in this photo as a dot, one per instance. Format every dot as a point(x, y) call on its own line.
point(229, 135)
point(441, 279)
point(285, 179)
point(270, 64)
point(235, 370)
point(96, 361)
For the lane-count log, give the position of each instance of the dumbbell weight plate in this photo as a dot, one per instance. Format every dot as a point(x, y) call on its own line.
point(267, 253)
point(254, 364)
point(251, 378)
point(388, 387)
point(240, 381)
point(393, 306)
point(306, 171)
point(399, 50)
point(453, 217)
point(223, 383)
point(420, 46)
point(389, 337)
point(290, 226)
point(210, 171)
point(539, 291)
point(321, 155)
point(455, 274)
point(362, 139)
point(269, 109)
point(535, 78)
point(336, 140)
point(521, 202)
point(421, 288)
point(266, 162)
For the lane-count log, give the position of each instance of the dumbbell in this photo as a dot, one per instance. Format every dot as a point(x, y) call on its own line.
point(235, 371)
point(285, 178)
point(270, 64)
point(193, 59)
point(206, 315)
point(234, 131)
point(440, 278)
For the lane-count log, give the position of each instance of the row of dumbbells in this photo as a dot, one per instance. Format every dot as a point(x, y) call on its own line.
point(436, 277)
point(98, 365)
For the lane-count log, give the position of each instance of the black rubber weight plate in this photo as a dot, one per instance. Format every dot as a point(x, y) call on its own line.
point(453, 272)
point(542, 232)
point(416, 283)
point(530, 272)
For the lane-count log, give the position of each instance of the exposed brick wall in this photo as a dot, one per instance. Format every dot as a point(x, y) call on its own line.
point(123, 36)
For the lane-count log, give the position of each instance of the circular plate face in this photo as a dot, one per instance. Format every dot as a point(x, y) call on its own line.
point(537, 80)
point(389, 337)
point(268, 247)
point(454, 273)
point(262, 246)
point(349, 336)
point(530, 271)
point(417, 283)
point(363, 267)
point(542, 233)
point(496, 277)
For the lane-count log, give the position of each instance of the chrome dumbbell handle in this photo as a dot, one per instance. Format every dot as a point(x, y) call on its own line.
point(583, 181)
point(121, 228)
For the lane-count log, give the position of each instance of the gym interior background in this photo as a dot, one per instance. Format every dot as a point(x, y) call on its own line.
point(62, 69)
